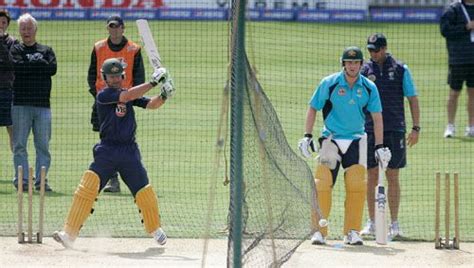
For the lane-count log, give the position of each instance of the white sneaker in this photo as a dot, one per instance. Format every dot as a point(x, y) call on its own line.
point(318, 239)
point(469, 132)
point(353, 238)
point(369, 228)
point(63, 238)
point(450, 130)
point(160, 236)
point(395, 230)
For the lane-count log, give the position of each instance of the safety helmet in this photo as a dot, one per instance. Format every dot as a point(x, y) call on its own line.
point(111, 66)
point(352, 53)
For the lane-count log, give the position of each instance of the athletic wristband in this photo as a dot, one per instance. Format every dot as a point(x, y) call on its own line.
point(308, 135)
point(416, 128)
point(378, 146)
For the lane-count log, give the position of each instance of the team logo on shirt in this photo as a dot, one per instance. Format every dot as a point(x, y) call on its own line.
point(359, 93)
point(121, 109)
point(372, 77)
point(391, 75)
point(341, 92)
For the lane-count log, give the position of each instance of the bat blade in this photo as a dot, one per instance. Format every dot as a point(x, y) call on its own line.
point(148, 43)
point(380, 211)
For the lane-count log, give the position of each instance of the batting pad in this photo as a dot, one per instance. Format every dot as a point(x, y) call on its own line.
point(82, 202)
point(323, 180)
point(356, 190)
point(147, 203)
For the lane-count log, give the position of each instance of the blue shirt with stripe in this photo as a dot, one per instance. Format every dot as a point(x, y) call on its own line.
point(394, 82)
point(344, 108)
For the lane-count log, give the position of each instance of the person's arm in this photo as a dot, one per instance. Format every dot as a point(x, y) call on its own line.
point(409, 90)
point(135, 92)
point(138, 69)
point(50, 66)
point(449, 27)
point(378, 127)
point(155, 102)
point(92, 74)
point(6, 64)
point(310, 120)
point(415, 117)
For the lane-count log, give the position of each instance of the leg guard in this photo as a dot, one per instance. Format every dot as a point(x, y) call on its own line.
point(147, 203)
point(82, 202)
point(356, 189)
point(324, 181)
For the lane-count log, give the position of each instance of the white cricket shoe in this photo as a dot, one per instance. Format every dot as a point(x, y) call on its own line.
point(63, 238)
point(353, 238)
point(469, 132)
point(369, 228)
point(394, 230)
point(160, 236)
point(318, 239)
point(450, 130)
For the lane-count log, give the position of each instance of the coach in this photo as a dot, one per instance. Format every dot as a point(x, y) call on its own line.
point(34, 66)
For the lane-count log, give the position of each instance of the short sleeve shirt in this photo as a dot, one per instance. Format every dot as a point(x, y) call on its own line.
point(343, 107)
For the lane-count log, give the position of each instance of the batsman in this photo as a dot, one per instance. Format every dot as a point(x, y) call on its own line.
point(343, 98)
point(117, 151)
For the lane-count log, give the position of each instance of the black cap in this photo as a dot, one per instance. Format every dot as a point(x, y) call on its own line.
point(376, 41)
point(115, 19)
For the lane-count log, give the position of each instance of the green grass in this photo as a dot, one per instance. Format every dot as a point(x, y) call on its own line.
point(177, 141)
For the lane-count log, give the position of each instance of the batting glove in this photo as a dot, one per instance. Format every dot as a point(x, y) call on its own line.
point(159, 76)
point(168, 89)
point(382, 155)
point(306, 144)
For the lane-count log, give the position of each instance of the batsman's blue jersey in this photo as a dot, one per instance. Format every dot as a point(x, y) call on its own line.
point(394, 82)
point(117, 120)
point(117, 150)
point(344, 109)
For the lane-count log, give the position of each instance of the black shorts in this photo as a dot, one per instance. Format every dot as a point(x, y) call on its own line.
point(395, 141)
point(457, 74)
point(5, 107)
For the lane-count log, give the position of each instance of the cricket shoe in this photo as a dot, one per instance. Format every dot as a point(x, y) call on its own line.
point(469, 132)
point(63, 238)
point(369, 228)
point(160, 236)
point(112, 186)
point(450, 131)
point(394, 230)
point(318, 239)
point(353, 238)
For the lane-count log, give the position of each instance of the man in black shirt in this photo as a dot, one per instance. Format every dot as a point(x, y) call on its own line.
point(6, 74)
point(457, 26)
point(34, 66)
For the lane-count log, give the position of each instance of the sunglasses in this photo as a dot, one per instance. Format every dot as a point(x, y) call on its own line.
point(114, 25)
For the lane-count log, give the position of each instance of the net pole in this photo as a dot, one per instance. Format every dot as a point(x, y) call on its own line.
point(237, 96)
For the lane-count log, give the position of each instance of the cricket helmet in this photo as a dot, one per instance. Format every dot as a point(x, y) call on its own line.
point(111, 66)
point(352, 53)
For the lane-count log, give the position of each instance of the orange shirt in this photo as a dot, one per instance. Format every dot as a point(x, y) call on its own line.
point(125, 55)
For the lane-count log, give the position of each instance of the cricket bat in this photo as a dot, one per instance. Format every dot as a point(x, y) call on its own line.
point(380, 218)
point(149, 44)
